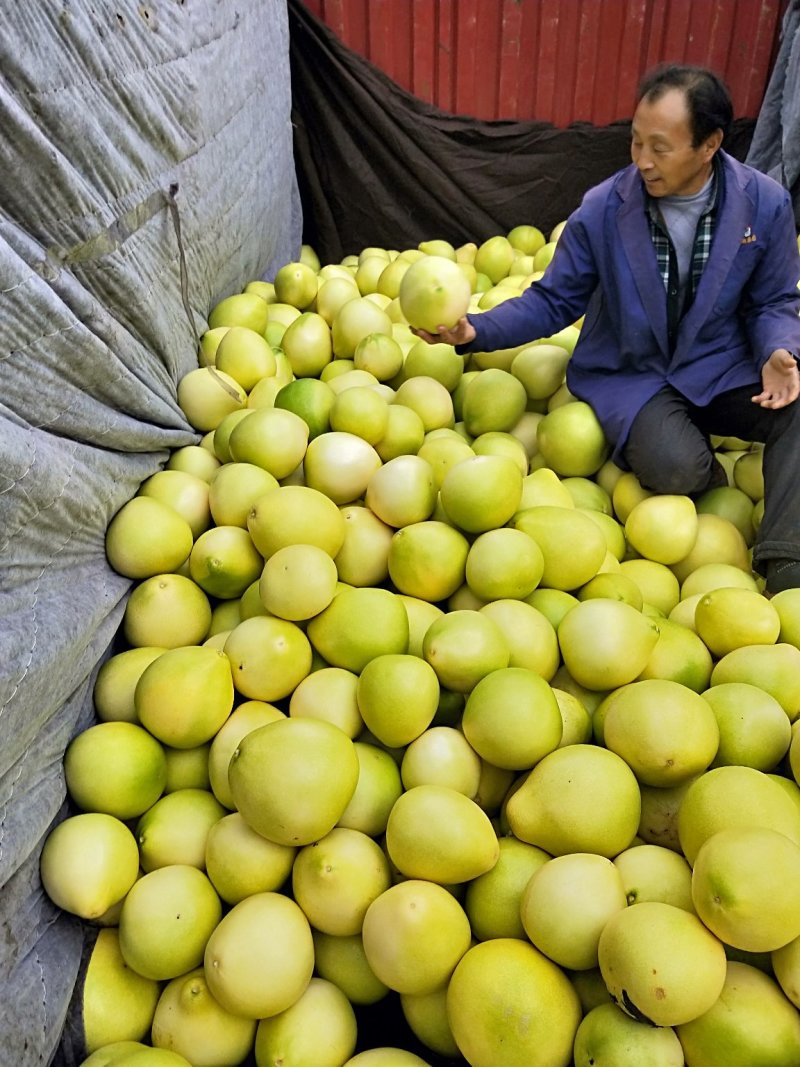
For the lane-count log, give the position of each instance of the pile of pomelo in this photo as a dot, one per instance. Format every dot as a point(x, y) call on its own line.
point(419, 697)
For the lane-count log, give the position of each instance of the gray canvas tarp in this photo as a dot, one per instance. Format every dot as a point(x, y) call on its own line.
point(103, 109)
point(775, 148)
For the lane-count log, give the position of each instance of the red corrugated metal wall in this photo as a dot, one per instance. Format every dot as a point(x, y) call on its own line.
point(556, 61)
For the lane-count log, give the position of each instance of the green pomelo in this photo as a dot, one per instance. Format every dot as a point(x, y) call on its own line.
point(358, 625)
point(572, 544)
point(608, 1037)
point(116, 768)
point(511, 718)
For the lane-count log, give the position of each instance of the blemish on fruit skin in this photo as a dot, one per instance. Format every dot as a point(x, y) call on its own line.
point(660, 993)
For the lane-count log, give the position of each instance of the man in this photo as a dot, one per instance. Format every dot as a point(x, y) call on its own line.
point(686, 266)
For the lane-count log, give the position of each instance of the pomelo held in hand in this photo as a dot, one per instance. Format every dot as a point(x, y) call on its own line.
point(434, 292)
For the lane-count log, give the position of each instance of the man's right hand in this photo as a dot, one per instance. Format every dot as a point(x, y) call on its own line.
point(461, 334)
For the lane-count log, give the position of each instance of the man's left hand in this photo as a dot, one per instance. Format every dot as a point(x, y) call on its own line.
point(781, 380)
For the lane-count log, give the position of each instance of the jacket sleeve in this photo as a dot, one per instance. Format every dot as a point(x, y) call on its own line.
point(548, 305)
point(770, 306)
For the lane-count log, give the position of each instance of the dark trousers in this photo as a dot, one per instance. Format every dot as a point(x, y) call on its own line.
point(669, 451)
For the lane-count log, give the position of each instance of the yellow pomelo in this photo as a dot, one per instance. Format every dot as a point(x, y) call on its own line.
point(349, 379)
point(405, 432)
point(361, 411)
point(358, 625)
point(662, 527)
point(527, 239)
point(541, 369)
point(664, 731)
point(246, 356)
point(268, 657)
point(717, 541)
point(166, 920)
point(746, 887)
point(272, 438)
point(307, 345)
point(511, 718)
point(397, 695)
point(319, 1028)
point(659, 586)
point(748, 474)
point(335, 879)
point(786, 967)
point(233, 490)
point(329, 693)
point(481, 493)
point(380, 354)
point(165, 611)
point(429, 398)
point(391, 276)
point(626, 493)
point(730, 618)
point(661, 964)
point(246, 717)
point(507, 1003)
point(240, 309)
point(442, 756)
point(439, 361)
point(368, 273)
point(566, 904)
point(292, 779)
point(379, 786)
point(492, 900)
point(185, 696)
point(572, 545)
point(363, 558)
point(296, 284)
point(147, 537)
point(88, 863)
point(414, 934)
point(494, 400)
point(260, 958)
point(189, 1021)
point(605, 643)
point(112, 1053)
point(680, 656)
point(264, 392)
point(653, 872)
point(608, 1037)
point(266, 290)
point(206, 395)
point(733, 797)
point(402, 491)
point(580, 798)
point(464, 646)
point(117, 768)
point(295, 514)
point(185, 493)
point(529, 634)
point(659, 822)
point(240, 862)
point(438, 247)
point(571, 440)
point(542, 258)
point(494, 257)
point(426, 1015)
point(175, 828)
point(117, 1003)
point(355, 320)
point(442, 449)
point(754, 729)
point(224, 561)
point(787, 605)
point(576, 722)
point(222, 434)
point(342, 960)
point(116, 681)
point(193, 459)
point(298, 581)
point(339, 465)
point(437, 833)
point(732, 504)
point(386, 1056)
point(774, 668)
point(209, 343)
point(503, 564)
point(332, 294)
point(544, 486)
point(751, 1022)
point(433, 293)
point(187, 768)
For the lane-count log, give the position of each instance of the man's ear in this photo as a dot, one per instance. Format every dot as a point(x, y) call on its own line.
point(712, 143)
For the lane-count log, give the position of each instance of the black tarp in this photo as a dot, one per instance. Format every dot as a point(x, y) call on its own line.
point(378, 167)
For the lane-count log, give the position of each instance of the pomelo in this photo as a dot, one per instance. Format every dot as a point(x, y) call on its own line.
point(608, 1037)
point(206, 395)
point(441, 755)
point(571, 440)
point(363, 558)
point(166, 611)
point(342, 960)
point(147, 537)
point(224, 561)
point(272, 438)
point(116, 682)
point(319, 1028)
point(774, 668)
point(493, 400)
point(175, 829)
point(504, 564)
point(292, 514)
point(572, 544)
point(329, 693)
point(244, 718)
point(340, 465)
point(653, 872)
point(731, 618)
point(358, 625)
point(397, 696)
point(185, 698)
point(462, 647)
point(116, 768)
point(378, 787)
point(297, 582)
point(754, 729)
point(268, 657)
point(240, 862)
point(245, 355)
point(117, 1003)
point(605, 643)
point(240, 309)
point(426, 1015)
point(492, 900)
point(402, 491)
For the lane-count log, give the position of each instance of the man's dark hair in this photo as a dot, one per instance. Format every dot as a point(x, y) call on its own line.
point(707, 97)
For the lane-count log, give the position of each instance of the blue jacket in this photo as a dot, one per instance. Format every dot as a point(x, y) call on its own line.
point(747, 302)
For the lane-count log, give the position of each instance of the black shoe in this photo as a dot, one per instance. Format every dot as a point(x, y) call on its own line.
point(782, 574)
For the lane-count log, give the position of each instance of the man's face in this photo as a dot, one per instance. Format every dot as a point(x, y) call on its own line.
point(661, 147)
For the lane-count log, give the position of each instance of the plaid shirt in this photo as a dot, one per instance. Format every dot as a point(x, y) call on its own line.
point(668, 261)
